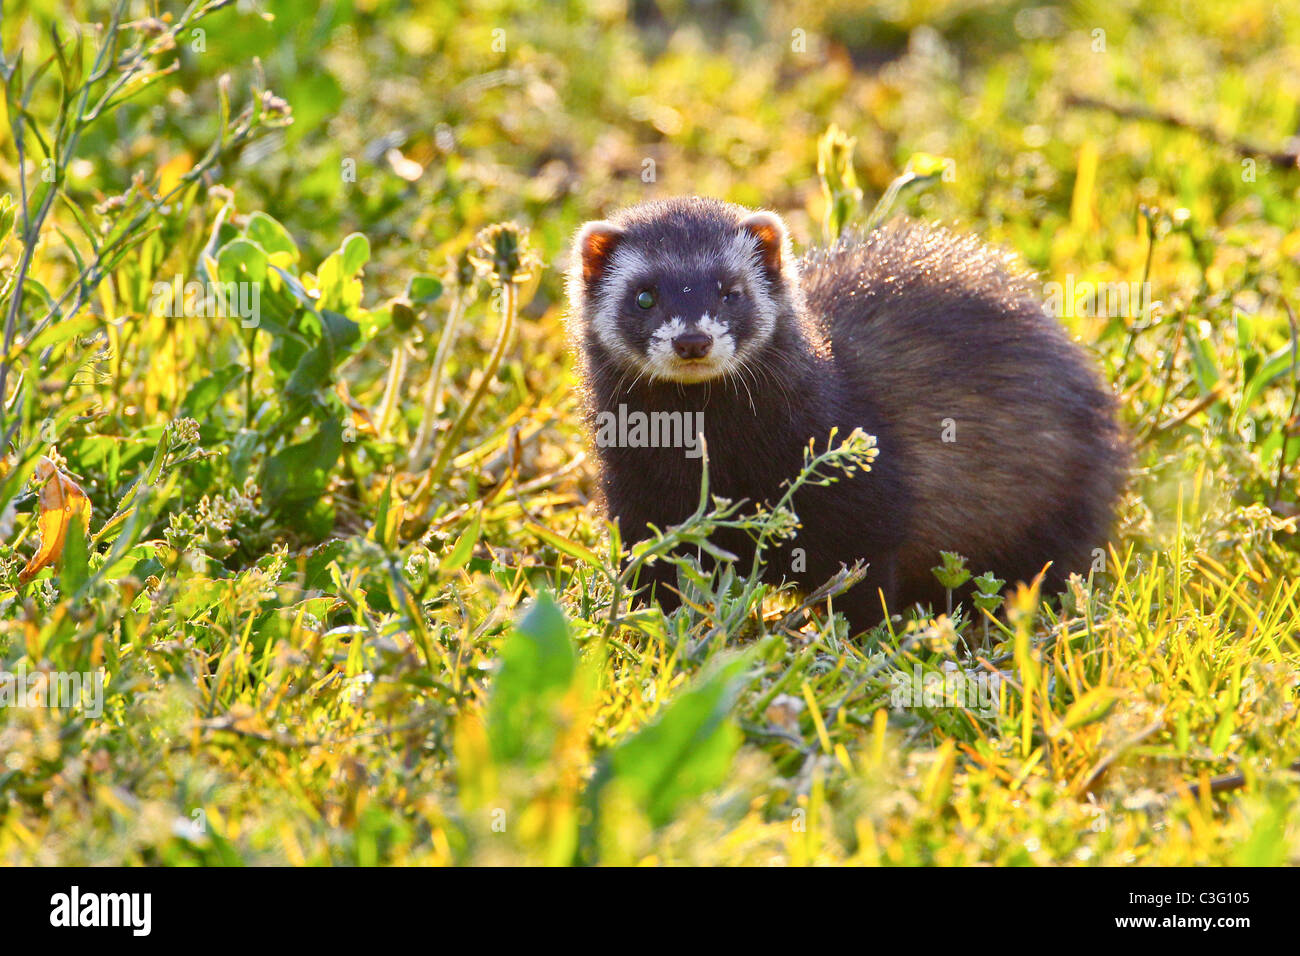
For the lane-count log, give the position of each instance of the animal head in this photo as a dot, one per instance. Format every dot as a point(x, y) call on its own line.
point(685, 290)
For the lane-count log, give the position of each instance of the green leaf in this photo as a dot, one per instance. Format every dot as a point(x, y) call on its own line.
point(1203, 361)
point(61, 331)
point(241, 261)
point(952, 574)
point(316, 573)
point(301, 472)
point(464, 548)
point(208, 390)
point(922, 171)
point(75, 568)
point(295, 287)
point(8, 214)
point(424, 289)
point(1222, 732)
point(342, 332)
point(270, 235)
point(1245, 333)
point(687, 751)
point(538, 667)
point(1275, 365)
point(339, 291)
point(562, 544)
point(313, 370)
point(354, 253)
point(1091, 707)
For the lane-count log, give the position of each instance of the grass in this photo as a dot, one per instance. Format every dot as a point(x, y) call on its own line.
point(343, 576)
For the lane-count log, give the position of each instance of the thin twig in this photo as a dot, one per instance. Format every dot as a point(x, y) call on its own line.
point(1169, 374)
point(1288, 158)
point(1231, 781)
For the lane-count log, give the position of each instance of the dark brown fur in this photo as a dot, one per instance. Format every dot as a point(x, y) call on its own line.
point(910, 333)
point(937, 327)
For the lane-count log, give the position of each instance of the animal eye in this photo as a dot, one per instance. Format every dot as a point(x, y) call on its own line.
point(645, 299)
point(732, 294)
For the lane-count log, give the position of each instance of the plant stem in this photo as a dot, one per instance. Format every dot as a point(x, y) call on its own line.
point(248, 379)
point(1134, 328)
point(433, 391)
point(494, 362)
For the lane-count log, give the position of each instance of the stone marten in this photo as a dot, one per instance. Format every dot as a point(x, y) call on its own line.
point(996, 438)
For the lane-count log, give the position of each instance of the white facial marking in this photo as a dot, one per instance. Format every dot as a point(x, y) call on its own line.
point(660, 358)
point(736, 260)
point(663, 362)
point(723, 353)
point(624, 264)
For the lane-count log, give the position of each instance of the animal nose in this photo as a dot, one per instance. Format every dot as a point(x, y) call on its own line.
point(693, 345)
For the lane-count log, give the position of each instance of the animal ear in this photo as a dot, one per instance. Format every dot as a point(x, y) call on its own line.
point(769, 230)
point(595, 245)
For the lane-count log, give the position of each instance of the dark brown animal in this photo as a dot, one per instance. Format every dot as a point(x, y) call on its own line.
point(996, 438)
